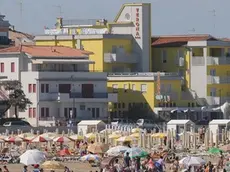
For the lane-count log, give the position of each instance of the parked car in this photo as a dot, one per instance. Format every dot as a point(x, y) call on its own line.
point(16, 124)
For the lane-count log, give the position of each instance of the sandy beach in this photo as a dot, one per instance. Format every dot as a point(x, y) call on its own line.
point(76, 167)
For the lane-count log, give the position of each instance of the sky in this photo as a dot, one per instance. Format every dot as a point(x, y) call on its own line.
point(168, 16)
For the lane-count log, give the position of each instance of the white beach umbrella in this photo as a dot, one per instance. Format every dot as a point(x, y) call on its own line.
point(117, 150)
point(32, 157)
point(192, 161)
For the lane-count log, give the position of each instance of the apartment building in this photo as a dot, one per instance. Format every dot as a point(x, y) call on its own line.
point(57, 81)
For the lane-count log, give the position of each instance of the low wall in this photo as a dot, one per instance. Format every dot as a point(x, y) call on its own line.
point(40, 129)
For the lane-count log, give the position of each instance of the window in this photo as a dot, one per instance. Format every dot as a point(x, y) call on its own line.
point(162, 87)
point(44, 88)
point(34, 88)
point(133, 87)
point(115, 105)
point(188, 104)
point(213, 92)
point(174, 104)
point(123, 105)
point(30, 112)
point(168, 87)
point(64, 88)
point(2, 67)
point(213, 72)
point(125, 87)
point(12, 67)
point(115, 88)
point(164, 56)
point(42, 112)
point(97, 112)
point(93, 113)
point(34, 112)
point(114, 49)
point(30, 88)
point(119, 105)
point(82, 107)
point(47, 112)
point(143, 88)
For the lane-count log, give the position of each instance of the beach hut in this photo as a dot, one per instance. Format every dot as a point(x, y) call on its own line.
point(179, 126)
point(217, 125)
point(88, 126)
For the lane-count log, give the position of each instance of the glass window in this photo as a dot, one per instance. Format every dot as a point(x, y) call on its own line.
point(115, 88)
point(133, 87)
point(164, 56)
point(143, 88)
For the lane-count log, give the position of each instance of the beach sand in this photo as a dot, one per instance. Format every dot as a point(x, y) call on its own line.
point(76, 167)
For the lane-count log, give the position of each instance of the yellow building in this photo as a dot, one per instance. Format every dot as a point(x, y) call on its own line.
point(144, 89)
point(201, 59)
point(123, 45)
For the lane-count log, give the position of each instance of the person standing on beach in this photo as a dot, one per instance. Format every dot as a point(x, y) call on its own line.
point(127, 160)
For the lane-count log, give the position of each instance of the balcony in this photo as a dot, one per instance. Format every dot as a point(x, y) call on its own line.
point(120, 58)
point(218, 60)
point(78, 97)
point(218, 79)
point(211, 100)
point(172, 96)
point(198, 61)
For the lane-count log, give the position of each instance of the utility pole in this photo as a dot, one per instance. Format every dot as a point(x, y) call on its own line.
point(214, 20)
point(59, 9)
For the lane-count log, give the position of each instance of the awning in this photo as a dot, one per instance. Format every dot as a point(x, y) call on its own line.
point(41, 61)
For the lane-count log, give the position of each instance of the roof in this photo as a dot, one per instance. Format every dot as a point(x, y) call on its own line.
point(219, 122)
point(90, 122)
point(179, 40)
point(46, 51)
point(13, 34)
point(179, 122)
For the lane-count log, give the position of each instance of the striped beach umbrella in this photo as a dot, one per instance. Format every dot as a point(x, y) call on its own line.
point(39, 139)
point(61, 139)
point(13, 139)
point(90, 157)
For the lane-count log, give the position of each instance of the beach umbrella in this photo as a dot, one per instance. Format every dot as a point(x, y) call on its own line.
point(215, 150)
point(192, 161)
point(159, 135)
point(39, 139)
point(117, 150)
point(49, 135)
point(32, 157)
point(90, 136)
point(136, 135)
point(114, 136)
point(90, 157)
point(52, 165)
point(136, 130)
point(61, 139)
point(97, 148)
point(136, 152)
point(64, 152)
point(225, 148)
point(126, 139)
point(76, 137)
point(13, 139)
point(105, 130)
point(26, 135)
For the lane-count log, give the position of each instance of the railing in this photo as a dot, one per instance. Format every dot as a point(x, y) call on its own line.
point(171, 95)
point(211, 100)
point(120, 57)
point(198, 61)
point(80, 22)
point(218, 60)
point(95, 95)
point(218, 79)
point(142, 74)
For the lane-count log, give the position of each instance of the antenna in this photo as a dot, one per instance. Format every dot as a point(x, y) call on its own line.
point(192, 30)
point(60, 9)
point(214, 20)
point(21, 12)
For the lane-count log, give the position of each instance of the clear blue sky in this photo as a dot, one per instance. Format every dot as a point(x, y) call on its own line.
point(168, 16)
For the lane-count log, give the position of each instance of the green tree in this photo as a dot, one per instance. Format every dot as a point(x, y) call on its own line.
point(17, 97)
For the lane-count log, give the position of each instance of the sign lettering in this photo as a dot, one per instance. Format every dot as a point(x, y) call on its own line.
point(137, 24)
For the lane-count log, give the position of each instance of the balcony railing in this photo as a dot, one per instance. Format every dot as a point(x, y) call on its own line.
point(218, 60)
point(198, 61)
point(211, 100)
point(79, 97)
point(144, 74)
point(171, 95)
point(120, 58)
point(218, 79)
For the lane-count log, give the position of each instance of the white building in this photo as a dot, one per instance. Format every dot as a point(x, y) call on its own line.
point(57, 81)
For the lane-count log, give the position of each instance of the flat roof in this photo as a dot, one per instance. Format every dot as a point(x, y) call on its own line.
point(219, 122)
point(179, 122)
point(90, 122)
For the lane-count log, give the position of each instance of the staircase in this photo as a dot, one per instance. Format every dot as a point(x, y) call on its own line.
point(200, 101)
